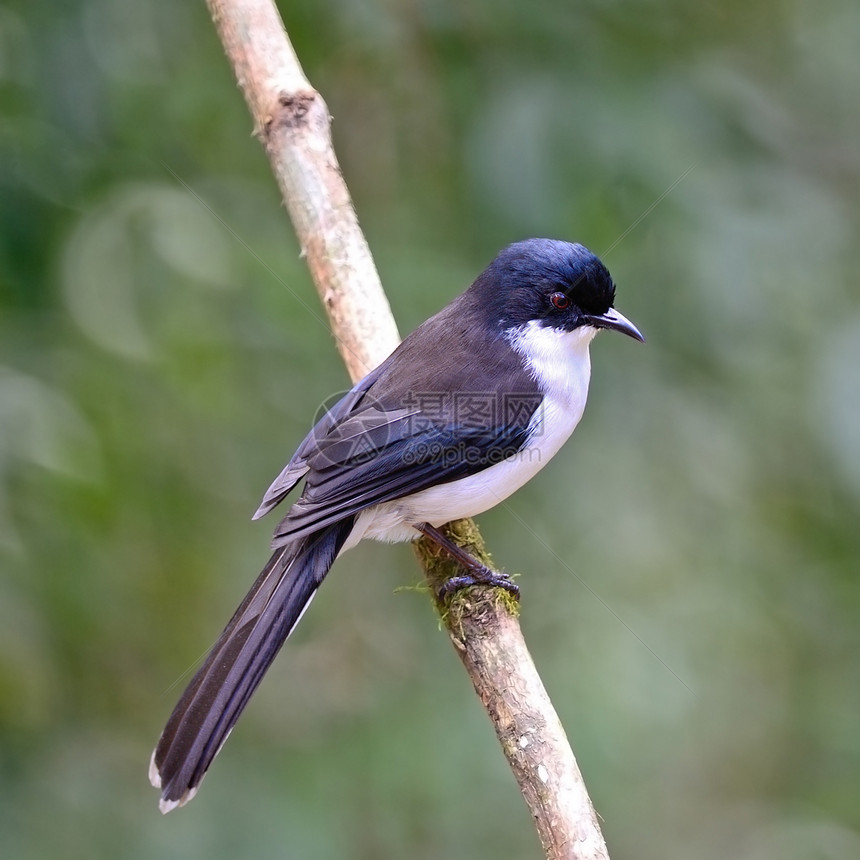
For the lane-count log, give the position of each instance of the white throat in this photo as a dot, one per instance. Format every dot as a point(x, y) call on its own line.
point(559, 361)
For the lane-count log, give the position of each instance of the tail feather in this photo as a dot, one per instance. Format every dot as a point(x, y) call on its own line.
point(218, 693)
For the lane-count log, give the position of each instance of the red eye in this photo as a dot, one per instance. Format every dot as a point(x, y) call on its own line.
point(560, 301)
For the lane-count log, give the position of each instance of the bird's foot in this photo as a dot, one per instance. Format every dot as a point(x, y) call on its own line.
point(478, 573)
point(489, 577)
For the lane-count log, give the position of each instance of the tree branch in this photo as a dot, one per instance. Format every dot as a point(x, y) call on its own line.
point(292, 121)
point(293, 124)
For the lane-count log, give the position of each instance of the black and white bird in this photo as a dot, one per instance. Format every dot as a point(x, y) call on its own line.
point(465, 411)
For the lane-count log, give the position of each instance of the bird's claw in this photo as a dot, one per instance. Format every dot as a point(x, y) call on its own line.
point(480, 576)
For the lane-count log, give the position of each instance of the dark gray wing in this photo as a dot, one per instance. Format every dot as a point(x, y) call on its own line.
point(386, 461)
point(407, 426)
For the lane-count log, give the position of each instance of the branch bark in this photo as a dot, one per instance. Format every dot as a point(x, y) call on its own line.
point(293, 123)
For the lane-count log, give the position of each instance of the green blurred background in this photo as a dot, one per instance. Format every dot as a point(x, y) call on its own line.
point(689, 563)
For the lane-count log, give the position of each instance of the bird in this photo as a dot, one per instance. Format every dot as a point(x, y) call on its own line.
point(466, 410)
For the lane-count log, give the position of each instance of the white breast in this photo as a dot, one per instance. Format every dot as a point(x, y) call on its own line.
point(561, 365)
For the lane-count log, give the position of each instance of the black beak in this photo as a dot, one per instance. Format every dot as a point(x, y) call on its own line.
point(616, 321)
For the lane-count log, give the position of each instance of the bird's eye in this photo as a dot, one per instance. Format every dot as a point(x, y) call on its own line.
point(560, 301)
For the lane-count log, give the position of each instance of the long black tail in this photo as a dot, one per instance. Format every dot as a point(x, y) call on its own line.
point(217, 694)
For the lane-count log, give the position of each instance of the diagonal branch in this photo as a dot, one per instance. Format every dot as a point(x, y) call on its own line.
point(292, 121)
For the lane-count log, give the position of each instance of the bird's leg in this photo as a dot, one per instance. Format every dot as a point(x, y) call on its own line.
point(479, 574)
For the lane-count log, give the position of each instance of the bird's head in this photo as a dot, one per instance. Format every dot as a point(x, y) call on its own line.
point(552, 284)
